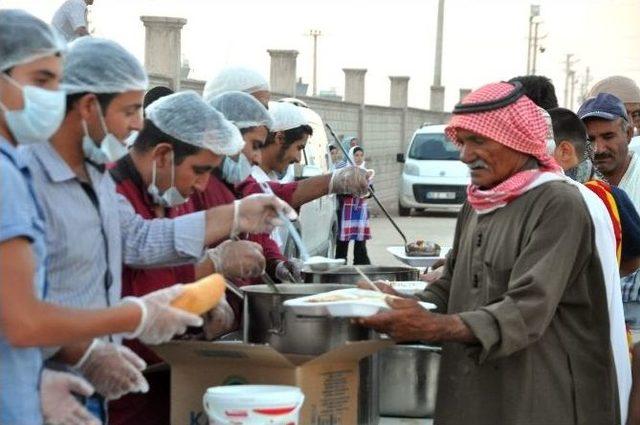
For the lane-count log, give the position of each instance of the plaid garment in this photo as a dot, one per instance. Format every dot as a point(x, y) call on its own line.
point(520, 126)
point(354, 219)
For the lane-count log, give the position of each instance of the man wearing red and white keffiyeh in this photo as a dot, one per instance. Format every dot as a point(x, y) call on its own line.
point(506, 152)
point(521, 308)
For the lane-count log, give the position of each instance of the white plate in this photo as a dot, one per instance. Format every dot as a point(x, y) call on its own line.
point(400, 254)
point(357, 303)
point(323, 263)
point(408, 287)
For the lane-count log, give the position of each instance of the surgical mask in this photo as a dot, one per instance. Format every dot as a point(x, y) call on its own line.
point(551, 146)
point(109, 149)
point(582, 173)
point(171, 197)
point(234, 172)
point(129, 141)
point(41, 116)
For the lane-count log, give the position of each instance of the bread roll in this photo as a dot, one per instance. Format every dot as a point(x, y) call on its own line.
point(201, 296)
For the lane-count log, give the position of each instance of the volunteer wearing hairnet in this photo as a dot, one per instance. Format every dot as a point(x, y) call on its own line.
point(238, 78)
point(182, 141)
point(31, 109)
point(93, 231)
point(283, 146)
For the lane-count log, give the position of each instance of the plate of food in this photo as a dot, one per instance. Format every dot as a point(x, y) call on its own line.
point(411, 258)
point(351, 302)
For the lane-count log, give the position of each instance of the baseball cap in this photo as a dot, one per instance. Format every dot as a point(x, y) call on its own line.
point(605, 106)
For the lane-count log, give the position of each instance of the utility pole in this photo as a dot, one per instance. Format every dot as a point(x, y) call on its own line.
point(573, 88)
point(568, 79)
point(534, 12)
point(584, 87)
point(315, 34)
point(437, 67)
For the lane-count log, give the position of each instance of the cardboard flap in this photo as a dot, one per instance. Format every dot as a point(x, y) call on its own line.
point(191, 352)
point(350, 352)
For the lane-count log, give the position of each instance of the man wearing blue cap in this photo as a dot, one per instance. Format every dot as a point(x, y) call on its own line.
point(610, 131)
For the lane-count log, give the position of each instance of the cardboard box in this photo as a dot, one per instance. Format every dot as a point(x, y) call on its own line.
point(329, 381)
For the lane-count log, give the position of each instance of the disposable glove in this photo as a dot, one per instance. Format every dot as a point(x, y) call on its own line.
point(259, 213)
point(160, 321)
point(58, 402)
point(289, 271)
point(114, 370)
point(350, 180)
point(219, 320)
point(238, 259)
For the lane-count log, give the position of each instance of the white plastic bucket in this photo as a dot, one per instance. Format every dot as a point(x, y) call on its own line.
point(253, 405)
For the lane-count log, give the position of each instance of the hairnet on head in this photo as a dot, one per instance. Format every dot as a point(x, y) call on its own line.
point(286, 116)
point(242, 109)
point(186, 117)
point(235, 79)
point(25, 38)
point(96, 65)
point(624, 88)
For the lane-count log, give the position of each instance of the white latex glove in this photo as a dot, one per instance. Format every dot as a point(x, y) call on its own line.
point(57, 400)
point(350, 180)
point(219, 320)
point(259, 214)
point(114, 370)
point(238, 259)
point(160, 321)
point(288, 270)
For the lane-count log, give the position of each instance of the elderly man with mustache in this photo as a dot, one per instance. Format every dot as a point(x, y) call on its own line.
point(522, 305)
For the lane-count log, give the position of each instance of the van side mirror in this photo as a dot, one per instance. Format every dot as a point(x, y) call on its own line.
point(400, 158)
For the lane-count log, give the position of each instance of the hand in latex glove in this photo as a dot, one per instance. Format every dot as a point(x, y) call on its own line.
point(238, 259)
point(219, 320)
point(114, 370)
point(350, 180)
point(291, 269)
point(160, 321)
point(259, 214)
point(57, 400)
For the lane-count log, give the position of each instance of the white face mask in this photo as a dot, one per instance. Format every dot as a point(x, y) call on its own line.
point(551, 146)
point(109, 149)
point(234, 172)
point(171, 197)
point(41, 116)
point(131, 139)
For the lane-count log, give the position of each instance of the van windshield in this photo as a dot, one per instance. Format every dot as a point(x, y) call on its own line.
point(433, 146)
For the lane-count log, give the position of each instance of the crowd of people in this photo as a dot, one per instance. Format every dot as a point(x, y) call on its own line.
point(114, 194)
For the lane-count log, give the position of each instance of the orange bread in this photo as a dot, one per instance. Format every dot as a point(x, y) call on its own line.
point(201, 296)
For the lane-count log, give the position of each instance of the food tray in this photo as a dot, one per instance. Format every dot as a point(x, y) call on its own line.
point(400, 254)
point(356, 303)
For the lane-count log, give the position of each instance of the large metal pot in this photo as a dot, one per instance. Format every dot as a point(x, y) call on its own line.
point(409, 380)
point(348, 274)
point(267, 322)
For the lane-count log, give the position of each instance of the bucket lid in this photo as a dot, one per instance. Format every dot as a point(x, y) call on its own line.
point(255, 395)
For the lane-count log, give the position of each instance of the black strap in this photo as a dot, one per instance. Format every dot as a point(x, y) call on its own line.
point(490, 105)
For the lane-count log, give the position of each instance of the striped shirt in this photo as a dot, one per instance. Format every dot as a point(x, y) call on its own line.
point(91, 231)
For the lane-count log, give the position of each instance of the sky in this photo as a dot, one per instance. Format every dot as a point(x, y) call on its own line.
point(484, 40)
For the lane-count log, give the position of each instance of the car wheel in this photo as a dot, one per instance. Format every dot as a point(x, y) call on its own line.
point(404, 212)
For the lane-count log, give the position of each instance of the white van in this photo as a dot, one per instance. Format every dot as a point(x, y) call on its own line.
point(433, 177)
point(318, 221)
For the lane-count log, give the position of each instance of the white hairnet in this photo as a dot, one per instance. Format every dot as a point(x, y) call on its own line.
point(186, 117)
point(624, 88)
point(25, 38)
point(286, 116)
point(235, 79)
point(96, 65)
point(242, 109)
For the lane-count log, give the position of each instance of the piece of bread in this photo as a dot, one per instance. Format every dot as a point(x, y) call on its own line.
point(201, 296)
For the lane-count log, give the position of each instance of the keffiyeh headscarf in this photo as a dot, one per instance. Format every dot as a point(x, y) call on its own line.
point(501, 112)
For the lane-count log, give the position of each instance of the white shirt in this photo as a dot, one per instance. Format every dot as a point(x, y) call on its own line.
point(630, 182)
point(70, 16)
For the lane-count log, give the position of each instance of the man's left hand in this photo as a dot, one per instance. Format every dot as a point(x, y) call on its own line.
point(409, 321)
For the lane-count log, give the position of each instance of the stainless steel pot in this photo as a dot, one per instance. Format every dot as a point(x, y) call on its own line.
point(348, 274)
point(267, 322)
point(409, 380)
